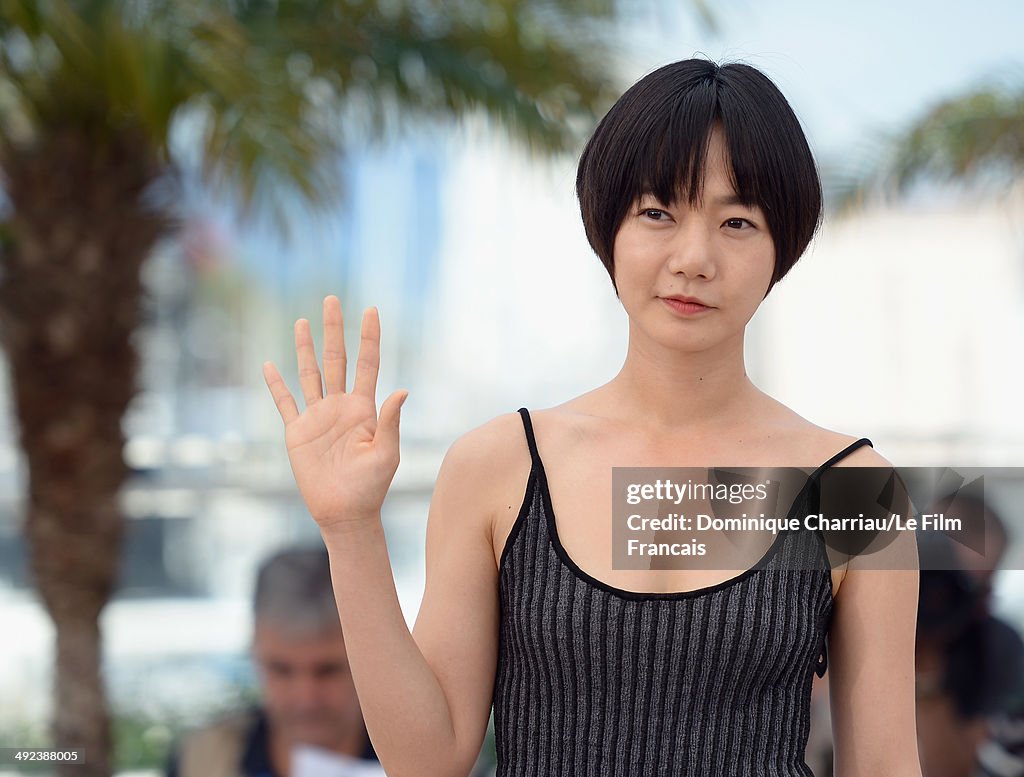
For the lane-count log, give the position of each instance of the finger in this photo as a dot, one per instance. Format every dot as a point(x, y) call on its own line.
point(368, 363)
point(279, 391)
point(334, 346)
point(386, 438)
point(309, 372)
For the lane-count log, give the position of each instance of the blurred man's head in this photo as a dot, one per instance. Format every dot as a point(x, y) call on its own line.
point(300, 652)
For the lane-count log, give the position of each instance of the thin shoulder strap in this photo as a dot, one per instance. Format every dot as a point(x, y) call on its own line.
point(841, 455)
point(530, 440)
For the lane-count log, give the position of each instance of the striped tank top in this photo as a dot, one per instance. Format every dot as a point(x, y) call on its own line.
point(594, 680)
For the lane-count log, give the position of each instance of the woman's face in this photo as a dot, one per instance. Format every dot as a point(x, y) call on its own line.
point(720, 254)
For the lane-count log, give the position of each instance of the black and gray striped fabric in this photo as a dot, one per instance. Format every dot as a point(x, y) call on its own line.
point(595, 680)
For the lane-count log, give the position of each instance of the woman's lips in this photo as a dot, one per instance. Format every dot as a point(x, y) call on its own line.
point(685, 308)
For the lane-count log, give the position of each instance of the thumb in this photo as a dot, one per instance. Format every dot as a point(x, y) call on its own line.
point(386, 437)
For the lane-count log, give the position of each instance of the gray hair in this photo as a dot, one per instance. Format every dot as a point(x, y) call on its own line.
point(294, 591)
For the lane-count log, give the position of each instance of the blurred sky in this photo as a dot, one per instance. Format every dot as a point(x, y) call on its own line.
point(845, 67)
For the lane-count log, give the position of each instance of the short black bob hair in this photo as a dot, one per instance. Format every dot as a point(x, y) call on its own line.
point(654, 138)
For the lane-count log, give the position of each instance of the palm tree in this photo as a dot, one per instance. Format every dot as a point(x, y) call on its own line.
point(89, 92)
point(976, 138)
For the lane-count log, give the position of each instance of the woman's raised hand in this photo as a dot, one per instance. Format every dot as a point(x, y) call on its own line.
point(342, 455)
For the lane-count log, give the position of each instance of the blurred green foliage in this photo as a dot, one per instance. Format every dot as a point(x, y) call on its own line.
point(974, 138)
point(142, 737)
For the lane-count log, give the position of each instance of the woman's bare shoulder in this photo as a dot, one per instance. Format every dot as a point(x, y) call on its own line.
point(492, 465)
point(800, 433)
point(492, 446)
point(499, 449)
point(486, 466)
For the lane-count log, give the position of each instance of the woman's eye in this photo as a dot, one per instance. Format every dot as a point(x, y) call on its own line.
point(733, 221)
point(648, 211)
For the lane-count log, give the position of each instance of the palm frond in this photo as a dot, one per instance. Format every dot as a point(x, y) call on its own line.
point(976, 138)
point(283, 85)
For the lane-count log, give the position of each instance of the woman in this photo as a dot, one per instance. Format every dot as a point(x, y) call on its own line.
point(698, 193)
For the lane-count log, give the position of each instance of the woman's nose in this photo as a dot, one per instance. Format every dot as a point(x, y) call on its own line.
point(692, 249)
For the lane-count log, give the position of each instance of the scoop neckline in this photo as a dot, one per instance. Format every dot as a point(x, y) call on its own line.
point(538, 476)
point(537, 472)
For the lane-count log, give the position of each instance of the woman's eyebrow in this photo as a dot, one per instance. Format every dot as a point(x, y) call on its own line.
point(722, 200)
point(730, 199)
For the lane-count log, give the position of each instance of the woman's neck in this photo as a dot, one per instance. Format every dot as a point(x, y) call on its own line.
point(676, 391)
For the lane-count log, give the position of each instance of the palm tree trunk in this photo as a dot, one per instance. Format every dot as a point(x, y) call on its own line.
point(70, 295)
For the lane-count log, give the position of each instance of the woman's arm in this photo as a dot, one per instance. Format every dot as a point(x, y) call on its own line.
point(871, 657)
point(424, 700)
point(426, 696)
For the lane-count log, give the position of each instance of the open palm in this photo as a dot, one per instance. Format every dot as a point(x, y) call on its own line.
point(342, 455)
